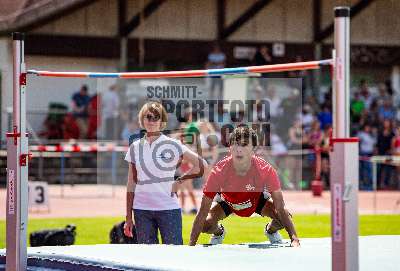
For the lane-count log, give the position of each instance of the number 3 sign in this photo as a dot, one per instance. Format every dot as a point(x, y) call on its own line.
point(38, 194)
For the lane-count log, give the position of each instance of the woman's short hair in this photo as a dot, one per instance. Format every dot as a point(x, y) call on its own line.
point(243, 134)
point(157, 109)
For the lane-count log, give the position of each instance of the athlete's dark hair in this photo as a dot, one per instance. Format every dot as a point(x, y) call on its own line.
point(242, 135)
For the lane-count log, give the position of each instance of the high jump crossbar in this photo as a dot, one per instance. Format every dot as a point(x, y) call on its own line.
point(344, 156)
point(309, 65)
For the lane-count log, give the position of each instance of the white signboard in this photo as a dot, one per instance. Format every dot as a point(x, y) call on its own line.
point(38, 194)
point(278, 49)
point(244, 52)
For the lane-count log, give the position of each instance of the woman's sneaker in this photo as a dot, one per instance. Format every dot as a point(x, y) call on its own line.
point(217, 239)
point(274, 238)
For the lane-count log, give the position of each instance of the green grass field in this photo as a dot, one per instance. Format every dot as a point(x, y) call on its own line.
point(96, 230)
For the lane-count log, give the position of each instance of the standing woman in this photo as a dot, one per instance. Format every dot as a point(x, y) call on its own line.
point(384, 145)
point(151, 188)
point(396, 152)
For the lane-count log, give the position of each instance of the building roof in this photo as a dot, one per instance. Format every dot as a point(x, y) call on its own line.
point(24, 15)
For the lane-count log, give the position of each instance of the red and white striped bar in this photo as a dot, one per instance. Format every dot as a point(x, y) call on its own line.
point(79, 148)
point(309, 65)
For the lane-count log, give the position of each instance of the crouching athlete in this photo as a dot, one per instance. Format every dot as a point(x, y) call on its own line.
point(242, 183)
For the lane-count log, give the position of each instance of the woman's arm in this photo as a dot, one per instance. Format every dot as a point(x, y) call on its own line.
point(199, 169)
point(130, 194)
point(199, 166)
point(130, 189)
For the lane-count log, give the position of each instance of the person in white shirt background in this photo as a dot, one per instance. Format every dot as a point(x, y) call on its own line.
point(151, 188)
point(216, 60)
point(110, 112)
point(367, 149)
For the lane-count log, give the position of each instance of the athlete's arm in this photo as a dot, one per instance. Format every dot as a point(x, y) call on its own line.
point(130, 194)
point(284, 217)
point(200, 219)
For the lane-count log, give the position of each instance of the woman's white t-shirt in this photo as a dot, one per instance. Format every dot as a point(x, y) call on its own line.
point(155, 164)
point(367, 142)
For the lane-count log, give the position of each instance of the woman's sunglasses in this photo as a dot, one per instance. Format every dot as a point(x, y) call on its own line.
point(152, 118)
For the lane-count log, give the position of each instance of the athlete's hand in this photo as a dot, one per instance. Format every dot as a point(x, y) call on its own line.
point(295, 242)
point(192, 243)
point(128, 226)
point(174, 189)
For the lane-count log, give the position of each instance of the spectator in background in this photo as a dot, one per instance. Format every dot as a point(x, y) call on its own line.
point(384, 144)
point(262, 56)
point(260, 115)
point(396, 142)
point(397, 106)
point(325, 117)
point(131, 129)
point(274, 103)
point(70, 128)
point(386, 110)
point(191, 139)
point(257, 93)
point(209, 139)
point(389, 88)
point(325, 149)
point(357, 106)
point(315, 134)
point(278, 148)
point(396, 152)
point(279, 153)
point(369, 116)
point(313, 140)
point(382, 95)
point(80, 101)
point(327, 101)
point(110, 111)
point(312, 102)
point(365, 94)
point(94, 118)
point(290, 109)
point(294, 162)
point(307, 117)
point(367, 148)
point(296, 135)
point(216, 60)
point(54, 121)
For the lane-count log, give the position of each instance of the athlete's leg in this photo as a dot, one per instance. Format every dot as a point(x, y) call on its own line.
point(182, 196)
point(270, 211)
point(193, 198)
point(189, 188)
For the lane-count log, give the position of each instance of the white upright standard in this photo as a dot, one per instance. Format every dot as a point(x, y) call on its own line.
point(17, 166)
point(344, 156)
